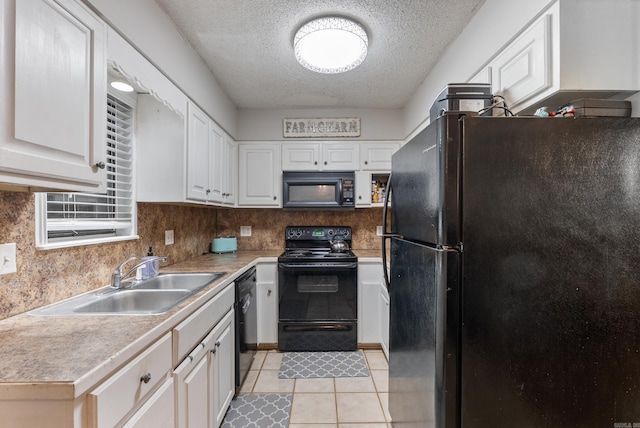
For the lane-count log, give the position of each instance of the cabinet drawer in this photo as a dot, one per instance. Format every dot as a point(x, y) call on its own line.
point(191, 331)
point(131, 385)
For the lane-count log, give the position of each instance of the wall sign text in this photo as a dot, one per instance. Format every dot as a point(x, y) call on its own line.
point(321, 127)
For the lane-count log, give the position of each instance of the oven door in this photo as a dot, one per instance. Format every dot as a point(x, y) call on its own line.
point(318, 308)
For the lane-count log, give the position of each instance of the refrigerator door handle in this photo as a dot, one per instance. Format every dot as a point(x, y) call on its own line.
point(386, 234)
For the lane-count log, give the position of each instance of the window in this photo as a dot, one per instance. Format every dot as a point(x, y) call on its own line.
point(70, 219)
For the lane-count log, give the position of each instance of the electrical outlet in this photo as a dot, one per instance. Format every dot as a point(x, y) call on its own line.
point(379, 230)
point(245, 230)
point(168, 237)
point(7, 258)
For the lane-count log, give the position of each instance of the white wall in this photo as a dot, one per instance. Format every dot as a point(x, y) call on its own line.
point(495, 24)
point(151, 31)
point(266, 125)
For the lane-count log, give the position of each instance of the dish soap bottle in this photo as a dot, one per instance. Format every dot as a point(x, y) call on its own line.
point(150, 269)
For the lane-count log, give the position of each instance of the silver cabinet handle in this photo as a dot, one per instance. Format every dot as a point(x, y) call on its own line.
point(269, 292)
point(100, 165)
point(213, 350)
point(217, 344)
point(145, 378)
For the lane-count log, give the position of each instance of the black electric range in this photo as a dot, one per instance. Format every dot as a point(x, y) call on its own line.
point(318, 290)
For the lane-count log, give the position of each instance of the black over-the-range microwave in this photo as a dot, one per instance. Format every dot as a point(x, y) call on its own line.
point(318, 189)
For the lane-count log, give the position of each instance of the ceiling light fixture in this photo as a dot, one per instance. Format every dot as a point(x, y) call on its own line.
point(121, 86)
point(330, 45)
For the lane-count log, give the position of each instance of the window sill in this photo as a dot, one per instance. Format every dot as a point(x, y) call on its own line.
point(79, 243)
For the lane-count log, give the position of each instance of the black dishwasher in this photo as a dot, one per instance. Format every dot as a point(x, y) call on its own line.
point(246, 324)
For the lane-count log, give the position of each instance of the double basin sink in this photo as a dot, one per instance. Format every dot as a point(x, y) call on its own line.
point(147, 297)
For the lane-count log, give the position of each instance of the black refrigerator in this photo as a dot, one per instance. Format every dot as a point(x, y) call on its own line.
point(514, 247)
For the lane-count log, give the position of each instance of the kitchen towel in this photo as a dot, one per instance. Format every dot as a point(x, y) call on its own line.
point(302, 365)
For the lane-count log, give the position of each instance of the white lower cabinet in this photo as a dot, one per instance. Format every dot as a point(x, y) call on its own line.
point(158, 411)
point(369, 283)
point(384, 318)
point(267, 303)
point(205, 381)
point(117, 398)
point(205, 377)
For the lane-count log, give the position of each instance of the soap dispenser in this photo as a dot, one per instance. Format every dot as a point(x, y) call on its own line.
point(150, 269)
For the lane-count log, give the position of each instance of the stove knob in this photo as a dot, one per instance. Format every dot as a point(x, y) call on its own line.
point(330, 232)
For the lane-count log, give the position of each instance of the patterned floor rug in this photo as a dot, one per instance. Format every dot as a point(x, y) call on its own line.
point(259, 411)
point(301, 365)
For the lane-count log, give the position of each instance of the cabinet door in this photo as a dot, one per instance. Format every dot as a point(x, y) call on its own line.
point(340, 156)
point(216, 162)
point(523, 69)
point(259, 175)
point(229, 168)
point(198, 154)
point(369, 279)
point(363, 189)
point(192, 389)
point(300, 156)
point(222, 377)
point(158, 411)
point(267, 303)
point(377, 156)
point(53, 88)
point(196, 396)
point(384, 319)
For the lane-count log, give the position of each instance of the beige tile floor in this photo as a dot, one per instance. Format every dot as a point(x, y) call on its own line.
point(355, 402)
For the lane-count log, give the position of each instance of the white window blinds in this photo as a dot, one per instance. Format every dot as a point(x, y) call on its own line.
point(86, 216)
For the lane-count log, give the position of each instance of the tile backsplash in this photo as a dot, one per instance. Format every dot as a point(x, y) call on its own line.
point(45, 277)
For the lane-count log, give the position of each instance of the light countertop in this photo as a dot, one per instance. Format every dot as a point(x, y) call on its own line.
point(64, 356)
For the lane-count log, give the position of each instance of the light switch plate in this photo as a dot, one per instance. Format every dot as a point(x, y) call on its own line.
point(168, 237)
point(245, 230)
point(379, 230)
point(7, 258)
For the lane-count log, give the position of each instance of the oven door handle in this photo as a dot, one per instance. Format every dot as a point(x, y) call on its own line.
point(317, 327)
point(353, 265)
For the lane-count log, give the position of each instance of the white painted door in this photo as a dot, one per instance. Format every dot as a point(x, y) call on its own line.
point(267, 303)
point(377, 156)
point(340, 156)
point(300, 156)
point(53, 87)
point(259, 175)
point(222, 369)
point(198, 154)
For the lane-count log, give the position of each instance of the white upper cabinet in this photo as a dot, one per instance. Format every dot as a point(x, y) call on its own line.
point(53, 87)
point(316, 156)
point(574, 49)
point(229, 160)
point(340, 156)
point(259, 175)
point(301, 156)
point(199, 153)
point(377, 156)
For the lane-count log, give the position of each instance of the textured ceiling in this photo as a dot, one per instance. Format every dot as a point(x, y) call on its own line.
point(248, 46)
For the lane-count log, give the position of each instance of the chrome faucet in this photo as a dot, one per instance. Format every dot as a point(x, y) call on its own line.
point(117, 276)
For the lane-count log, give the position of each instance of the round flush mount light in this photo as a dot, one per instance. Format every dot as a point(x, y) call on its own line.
point(121, 86)
point(330, 45)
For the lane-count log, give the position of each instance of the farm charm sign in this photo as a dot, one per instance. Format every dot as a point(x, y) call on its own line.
point(321, 128)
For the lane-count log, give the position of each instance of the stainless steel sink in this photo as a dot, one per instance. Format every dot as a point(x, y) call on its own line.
point(135, 302)
point(182, 281)
point(152, 296)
